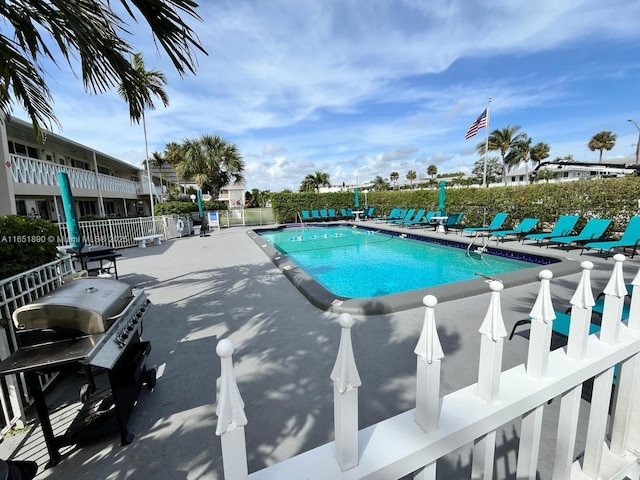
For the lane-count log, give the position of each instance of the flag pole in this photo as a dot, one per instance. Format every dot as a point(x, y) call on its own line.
point(486, 146)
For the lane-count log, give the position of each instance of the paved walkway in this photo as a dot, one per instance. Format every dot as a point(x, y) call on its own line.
point(223, 286)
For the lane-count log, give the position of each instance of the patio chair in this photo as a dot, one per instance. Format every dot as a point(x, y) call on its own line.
point(416, 218)
point(563, 227)
point(394, 213)
point(495, 224)
point(452, 222)
point(305, 216)
point(425, 221)
point(524, 227)
point(593, 230)
point(408, 214)
point(315, 215)
point(559, 326)
point(324, 215)
point(332, 214)
point(630, 238)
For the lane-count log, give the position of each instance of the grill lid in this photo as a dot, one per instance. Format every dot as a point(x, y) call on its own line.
point(84, 304)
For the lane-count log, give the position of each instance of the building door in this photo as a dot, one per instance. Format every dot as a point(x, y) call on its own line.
point(43, 209)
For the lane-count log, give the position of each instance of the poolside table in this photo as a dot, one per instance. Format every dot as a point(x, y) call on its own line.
point(440, 228)
point(357, 214)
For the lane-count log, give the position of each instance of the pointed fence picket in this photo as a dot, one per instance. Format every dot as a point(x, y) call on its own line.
point(412, 442)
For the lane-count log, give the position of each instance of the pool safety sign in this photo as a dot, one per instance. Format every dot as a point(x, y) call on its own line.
point(214, 220)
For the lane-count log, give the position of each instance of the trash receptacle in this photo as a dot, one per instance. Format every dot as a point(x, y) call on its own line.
point(196, 229)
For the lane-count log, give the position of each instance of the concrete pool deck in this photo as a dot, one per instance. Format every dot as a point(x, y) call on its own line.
point(222, 285)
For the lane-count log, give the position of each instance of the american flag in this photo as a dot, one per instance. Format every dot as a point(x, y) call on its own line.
point(481, 122)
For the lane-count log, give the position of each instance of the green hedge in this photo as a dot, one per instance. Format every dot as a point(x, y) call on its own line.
point(25, 243)
point(615, 198)
point(184, 208)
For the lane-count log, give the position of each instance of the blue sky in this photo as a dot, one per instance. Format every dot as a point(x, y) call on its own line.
point(359, 88)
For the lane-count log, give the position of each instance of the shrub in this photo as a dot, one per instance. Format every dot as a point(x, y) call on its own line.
point(25, 243)
point(175, 208)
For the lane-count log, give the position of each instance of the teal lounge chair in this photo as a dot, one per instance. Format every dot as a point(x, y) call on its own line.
point(306, 217)
point(408, 214)
point(495, 224)
point(425, 221)
point(452, 222)
point(593, 230)
point(630, 238)
point(524, 227)
point(324, 215)
point(560, 325)
point(394, 213)
point(416, 218)
point(332, 214)
point(563, 227)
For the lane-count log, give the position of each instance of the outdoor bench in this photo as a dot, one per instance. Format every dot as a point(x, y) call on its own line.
point(142, 241)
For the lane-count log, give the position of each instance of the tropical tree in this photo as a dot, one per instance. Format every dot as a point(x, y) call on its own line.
point(602, 141)
point(432, 170)
point(313, 181)
point(394, 176)
point(89, 34)
point(210, 161)
point(157, 161)
point(539, 152)
point(380, 184)
point(494, 170)
point(567, 158)
point(502, 141)
point(411, 176)
point(519, 153)
point(140, 100)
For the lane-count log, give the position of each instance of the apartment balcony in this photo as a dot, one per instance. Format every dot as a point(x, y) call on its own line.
point(30, 171)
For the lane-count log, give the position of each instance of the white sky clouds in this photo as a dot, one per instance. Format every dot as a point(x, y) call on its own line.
point(359, 88)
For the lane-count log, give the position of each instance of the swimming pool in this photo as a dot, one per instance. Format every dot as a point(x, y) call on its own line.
point(342, 267)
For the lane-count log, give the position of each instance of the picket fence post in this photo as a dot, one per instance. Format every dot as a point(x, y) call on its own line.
point(231, 417)
point(542, 316)
point(625, 434)
point(582, 302)
point(614, 292)
point(429, 355)
point(492, 333)
point(346, 382)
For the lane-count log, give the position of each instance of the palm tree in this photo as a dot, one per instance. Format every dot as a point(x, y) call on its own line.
point(502, 141)
point(92, 34)
point(141, 99)
point(211, 162)
point(539, 152)
point(432, 170)
point(394, 176)
point(380, 184)
point(602, 141)
point(157, 160)
point(411, 176)
point(313, 181)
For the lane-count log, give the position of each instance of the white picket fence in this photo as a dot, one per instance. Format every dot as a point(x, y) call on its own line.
point(412, 442)
point(15, 292)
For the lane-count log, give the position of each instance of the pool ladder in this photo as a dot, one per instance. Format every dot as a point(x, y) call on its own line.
point(480, 250)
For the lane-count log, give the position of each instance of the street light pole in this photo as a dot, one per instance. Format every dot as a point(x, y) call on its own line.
point(637, 144)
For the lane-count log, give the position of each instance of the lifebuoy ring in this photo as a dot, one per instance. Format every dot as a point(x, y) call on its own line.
point(180, 225)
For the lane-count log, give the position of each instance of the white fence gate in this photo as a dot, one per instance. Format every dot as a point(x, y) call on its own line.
point(412, 442)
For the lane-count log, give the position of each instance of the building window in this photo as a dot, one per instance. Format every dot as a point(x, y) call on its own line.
point(109, 208)
point(87, 208)
point(21, 207)
point(565, 174)
point(33, 153)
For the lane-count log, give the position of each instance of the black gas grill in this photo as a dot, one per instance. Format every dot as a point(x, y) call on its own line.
point(96, 324)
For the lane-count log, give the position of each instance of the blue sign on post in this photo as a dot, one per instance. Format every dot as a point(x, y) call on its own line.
point(214, 220)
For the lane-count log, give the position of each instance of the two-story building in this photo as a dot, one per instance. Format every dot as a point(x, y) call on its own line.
point(101, 185)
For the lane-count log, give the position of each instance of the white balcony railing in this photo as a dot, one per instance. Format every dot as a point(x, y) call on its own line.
point(38, 172)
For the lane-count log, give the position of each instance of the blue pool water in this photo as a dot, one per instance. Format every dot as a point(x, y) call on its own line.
point(361, 263)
